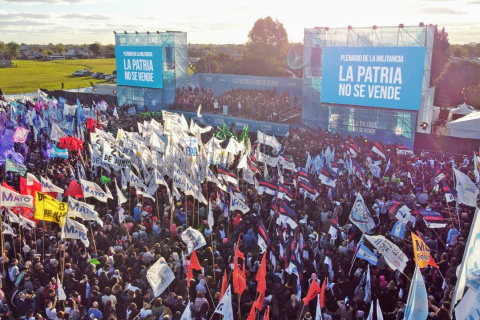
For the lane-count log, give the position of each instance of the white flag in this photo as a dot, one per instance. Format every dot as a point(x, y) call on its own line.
point(187, 313)
point(12, 217)
point(56, 133)
point(82, 210)
point(394, 257)
point(91, 189)
point(269, 140)
point(224, 306)
point(136, 181)
point(115, 113)
point(159, 276)
point(60, 292)
point(379, 311)
point(360, 215)
point(48, 186)
point(121, 197)
point(74, 230)
point(210, 218)
point(199, 111)
point(193, 238)
point(7, 229)
point(368, 287)
point(26, 223)
point(466, 189)
point(237, 204)
point(9, 198)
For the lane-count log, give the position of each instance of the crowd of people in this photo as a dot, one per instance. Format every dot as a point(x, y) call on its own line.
point(256, 104)
point(107, 279)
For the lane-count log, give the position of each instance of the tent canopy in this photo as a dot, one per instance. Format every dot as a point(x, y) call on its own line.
point(460, 111)
point(466, 127)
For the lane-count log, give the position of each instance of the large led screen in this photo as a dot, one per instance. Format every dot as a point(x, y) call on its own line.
point(139, 66)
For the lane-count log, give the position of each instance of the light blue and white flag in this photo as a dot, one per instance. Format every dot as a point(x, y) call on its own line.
point(58, 153)
point(387, 167)
point(366, 254)
point(398, 230)
point(379, 311)
point(360, 215)
point(417, 303)
point(466, 189)
point(368, 287)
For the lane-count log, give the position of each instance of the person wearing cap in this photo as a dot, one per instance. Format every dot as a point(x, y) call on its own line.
point(137, 213)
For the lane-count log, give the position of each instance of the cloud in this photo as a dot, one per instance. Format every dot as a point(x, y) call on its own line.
point(440, 10)
point(23, 16)
point(84, 16)
point(43, 1)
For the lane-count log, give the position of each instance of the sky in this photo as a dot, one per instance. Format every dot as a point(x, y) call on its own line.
point(222, 22)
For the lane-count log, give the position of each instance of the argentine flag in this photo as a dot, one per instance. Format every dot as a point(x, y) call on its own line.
point(398, 230)
point(58, 153)
point(366, 254)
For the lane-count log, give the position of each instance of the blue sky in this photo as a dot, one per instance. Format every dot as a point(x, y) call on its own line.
point(219, 22)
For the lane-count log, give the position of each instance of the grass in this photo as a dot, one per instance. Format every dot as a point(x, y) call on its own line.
point(29, 76)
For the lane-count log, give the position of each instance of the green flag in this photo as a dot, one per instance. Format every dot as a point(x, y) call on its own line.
point(104, 179)
point(13, 166)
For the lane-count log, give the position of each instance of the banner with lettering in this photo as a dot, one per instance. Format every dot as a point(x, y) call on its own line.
point(394, 257)
point(194, 239)
point(9, 198)
point(75, 230)
point(91, 189)
point(85, 211)
point(13, 166)
point(50, 209)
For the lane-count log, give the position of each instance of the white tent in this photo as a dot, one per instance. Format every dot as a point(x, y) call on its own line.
point(466, 127)
point(460, 111)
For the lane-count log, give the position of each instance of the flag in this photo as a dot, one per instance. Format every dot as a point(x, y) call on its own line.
point(398, 230)
point(287, 215)
point(60, 292)
point(74, 190)
point(48, 186)
point(56, 133)
point(421, 253)
point(284, 192)
point(75, 230)
point(20, 135)
point(307, 190)
point(159, 277)
point(322, 294)
point(14, 166)
point(261, 276)
point(48, 208)
point(365, 253)
point(263, 238)
point(193, 238)
point(266, 316)
point(467, 190)
point(450, 193)
point(476, 168)
point(224, 284)
point(318, 313)
point(378, 149)
point(194, 261)
point(91, 189)
point(417, 303)
point(263, 186)
point(210, 218)
point(189, 270)
point(224, 306)
point(58, 153)
point(387, 167)
point(379, 311)
point(402, 213)
point(404, 150)
point(394, 257)
point(187, 313)
point(327, 178)
point(7, 229)
point(368, 287)
point(83, 211)
point(360, 215)
point(115, 113)
point(370, 314)
point(312, 292)
point(227, 175)
point(9, 198)
point(269, 140)
point(237, 204)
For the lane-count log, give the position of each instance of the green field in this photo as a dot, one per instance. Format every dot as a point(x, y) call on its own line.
point(29, 76)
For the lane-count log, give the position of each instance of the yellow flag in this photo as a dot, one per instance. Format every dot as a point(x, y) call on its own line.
point(50, 209)
point(421, 252)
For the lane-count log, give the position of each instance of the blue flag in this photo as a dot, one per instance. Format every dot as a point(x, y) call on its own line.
point(366, 254)
point(398, 230)
point(417, 303)
point(58, 153)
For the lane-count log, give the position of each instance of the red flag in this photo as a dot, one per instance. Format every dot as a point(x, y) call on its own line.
point(322, 294)
point(189, 271)
point(74, 190)
point(266, 316)
point(238, 253)
point(260, 300)
point(194, 264)
point(312, 292)
point(90, 124)
point(239, 282)
point(224, 284)
point(251, 315)
point(5, 185)
point(262, 274)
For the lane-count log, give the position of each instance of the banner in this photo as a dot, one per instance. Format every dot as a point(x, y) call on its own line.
point(91, 189)
point(224, 306)
point(50, 209)
point(11, 198)
point(159, 277)
point(85, 211)
point(193, 238)
point(13, 166)
point(466, 189)
point(360, 215)
point(394, 257)
point(48, 186)
point(75, 230)
point(237, 204)
point(20, 135)
point(421, 252)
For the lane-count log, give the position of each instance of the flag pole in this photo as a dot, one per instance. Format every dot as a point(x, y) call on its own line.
point(93, 238)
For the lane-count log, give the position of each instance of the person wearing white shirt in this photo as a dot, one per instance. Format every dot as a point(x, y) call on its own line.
point(50, 310)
